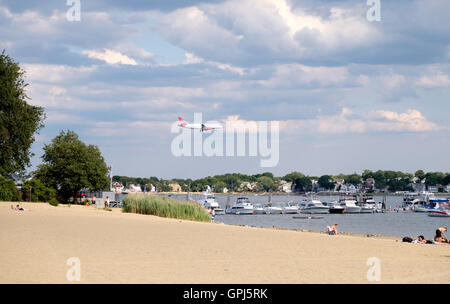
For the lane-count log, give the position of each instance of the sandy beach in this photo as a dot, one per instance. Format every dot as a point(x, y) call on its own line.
point(127, 248)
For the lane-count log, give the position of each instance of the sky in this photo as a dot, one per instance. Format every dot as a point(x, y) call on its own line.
point(349, 93)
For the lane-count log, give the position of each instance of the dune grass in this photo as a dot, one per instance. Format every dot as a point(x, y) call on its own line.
point(164, 207)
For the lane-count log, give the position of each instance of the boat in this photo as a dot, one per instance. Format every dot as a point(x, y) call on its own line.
point(427, 202)
point(368, 205)
point(314, 206)
point(335, 208)
point(289, 208)
point(349, 204)
point(242, 206)
point(259, 209)
point(410, 199)
point(273, 209)
point(439, 213)
point(209, 202)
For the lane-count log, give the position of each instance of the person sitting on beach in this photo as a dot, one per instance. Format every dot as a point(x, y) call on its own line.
point(332, 230)
point(443, 230)
point(439, 237)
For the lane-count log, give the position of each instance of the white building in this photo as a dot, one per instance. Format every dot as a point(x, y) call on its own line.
point(134, 188)
point(285, 186)
point(349, 188)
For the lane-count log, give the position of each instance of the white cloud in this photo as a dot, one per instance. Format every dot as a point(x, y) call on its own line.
point(437, 80)
point(297, 74)
point(273, 30)
point(349, 122)
point(110, 56)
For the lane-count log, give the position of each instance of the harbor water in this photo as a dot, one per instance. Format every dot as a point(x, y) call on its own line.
point(390, 223)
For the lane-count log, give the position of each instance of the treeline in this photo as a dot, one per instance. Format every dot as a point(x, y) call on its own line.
point(383, 179)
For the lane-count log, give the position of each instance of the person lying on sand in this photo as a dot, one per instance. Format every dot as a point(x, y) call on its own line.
point(420, 240)
point(17, 208)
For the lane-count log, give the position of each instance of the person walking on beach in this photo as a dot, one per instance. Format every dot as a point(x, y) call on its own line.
point(93, 200)
point(107, 201)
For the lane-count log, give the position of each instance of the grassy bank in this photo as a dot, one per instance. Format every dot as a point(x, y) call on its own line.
point(164, 207)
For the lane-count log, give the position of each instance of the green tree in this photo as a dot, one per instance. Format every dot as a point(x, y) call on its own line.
point(325, 181)
point(354, 179)
point(303, 184)
point(70, 165)
point(420, 174)
point(35, 191)
point(291, 177)
point(8, 191)
point(265, 183)
point(19, 121)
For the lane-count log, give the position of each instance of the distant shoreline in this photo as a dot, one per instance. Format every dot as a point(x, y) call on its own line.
point(289, 194)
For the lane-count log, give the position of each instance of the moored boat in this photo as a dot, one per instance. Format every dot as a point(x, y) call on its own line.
point(289, 208)
point(349, 204)
point(242, 206)
point(314, 206)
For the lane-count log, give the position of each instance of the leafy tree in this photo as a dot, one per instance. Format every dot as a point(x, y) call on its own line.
point(303, 184)
point(19, 121)
point(291, 177)
point(70, 165)
point(35, 191)
point(8, 190)
point(420, 174)
point(265, 183)
point(325, 181)
point(354, 179)
point(447, 179)
point(434, 178)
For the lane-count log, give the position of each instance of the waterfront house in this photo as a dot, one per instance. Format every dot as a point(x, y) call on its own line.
point(246, 186)
point(369, 185)
point(117, 187)
point(285, 186)
point(348, 188)
point(434, 188)
point(175, 188)
point(135, 188)
point(417, 187)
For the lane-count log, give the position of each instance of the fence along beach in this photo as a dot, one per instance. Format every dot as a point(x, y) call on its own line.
point(116, 247)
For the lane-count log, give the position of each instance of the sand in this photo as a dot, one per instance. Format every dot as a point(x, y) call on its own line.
point(127, 248)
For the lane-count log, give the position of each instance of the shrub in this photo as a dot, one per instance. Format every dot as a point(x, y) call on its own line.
point(53, 202)
point(8, 190)
point(164, 207)
point(39, 192)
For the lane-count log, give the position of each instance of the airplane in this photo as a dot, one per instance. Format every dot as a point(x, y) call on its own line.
point(200, 126)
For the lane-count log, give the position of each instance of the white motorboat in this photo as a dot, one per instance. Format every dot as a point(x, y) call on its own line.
point(314, 206)
point(259, 209)
point(273, 210)
point(349, 204)
point(335, 208)
point(439, 213)
point(209, 202)
point(242, 206)
point(368, 205)
point(289, 208)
